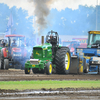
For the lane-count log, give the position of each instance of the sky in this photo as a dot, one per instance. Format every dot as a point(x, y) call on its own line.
point(58, 4)
point(35, 7)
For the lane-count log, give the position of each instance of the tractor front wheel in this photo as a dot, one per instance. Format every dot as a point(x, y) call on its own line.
point(86, 66)
point(87, 69)
point(63, 60)
point(49, 68)
point(6, 64)
point(27, 71)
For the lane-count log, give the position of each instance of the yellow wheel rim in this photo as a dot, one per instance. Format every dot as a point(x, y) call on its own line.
point(67, 61)
point(28, 71)
point(50, 68)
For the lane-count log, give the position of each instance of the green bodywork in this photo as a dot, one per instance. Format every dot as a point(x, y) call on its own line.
point(43, 53)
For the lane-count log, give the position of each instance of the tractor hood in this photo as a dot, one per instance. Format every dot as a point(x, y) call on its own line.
point(19, 52)
point(42, 51)
point(44, 46)
point(88, 51)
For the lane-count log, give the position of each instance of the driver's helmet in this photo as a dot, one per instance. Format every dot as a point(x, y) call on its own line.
point(51, 36)
point(2, 41)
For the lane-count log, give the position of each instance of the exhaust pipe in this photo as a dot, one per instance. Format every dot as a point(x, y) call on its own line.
point(42, 40)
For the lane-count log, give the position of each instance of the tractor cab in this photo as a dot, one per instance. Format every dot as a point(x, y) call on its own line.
point(93, 39)
point(15, 41)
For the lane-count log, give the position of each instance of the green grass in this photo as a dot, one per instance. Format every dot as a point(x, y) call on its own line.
point(22, 85)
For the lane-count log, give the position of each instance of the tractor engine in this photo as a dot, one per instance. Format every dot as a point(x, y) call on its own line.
point(41, 53)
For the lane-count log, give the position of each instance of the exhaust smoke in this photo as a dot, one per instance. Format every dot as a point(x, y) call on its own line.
point(42, 10)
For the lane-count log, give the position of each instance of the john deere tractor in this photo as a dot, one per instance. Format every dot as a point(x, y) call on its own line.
point(49, 57)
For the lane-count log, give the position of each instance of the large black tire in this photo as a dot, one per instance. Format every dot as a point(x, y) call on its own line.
point(63, 60)
point(27, 71)
point(6, 64)
point(36, 70)
point(85, 66)
point(49, 68)
point(2, 63)
point(2, 60)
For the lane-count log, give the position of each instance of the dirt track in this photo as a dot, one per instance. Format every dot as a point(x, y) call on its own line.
point(14, 75)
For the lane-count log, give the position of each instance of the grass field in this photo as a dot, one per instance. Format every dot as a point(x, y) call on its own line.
point(22, 85)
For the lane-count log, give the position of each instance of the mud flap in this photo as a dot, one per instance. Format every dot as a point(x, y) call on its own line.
point(74, 65)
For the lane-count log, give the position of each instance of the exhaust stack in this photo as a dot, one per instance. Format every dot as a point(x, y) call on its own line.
point(42, 40)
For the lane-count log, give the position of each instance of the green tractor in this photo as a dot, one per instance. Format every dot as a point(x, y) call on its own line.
point(49, 57)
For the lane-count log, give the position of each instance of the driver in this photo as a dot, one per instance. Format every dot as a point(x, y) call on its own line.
point(49, 40)
point(14, 44)
point(2, 43)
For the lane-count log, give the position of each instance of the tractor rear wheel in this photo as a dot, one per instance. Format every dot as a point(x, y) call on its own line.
point(6, 64)
point(63, 60)
point(2, 63)
point(49, 68)
point(27, 71)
